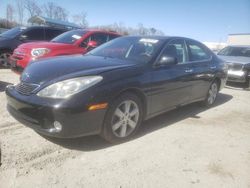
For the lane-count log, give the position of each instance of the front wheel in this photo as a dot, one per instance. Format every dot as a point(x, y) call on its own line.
point(123, 118)
point(212, 94)
point(247, 83)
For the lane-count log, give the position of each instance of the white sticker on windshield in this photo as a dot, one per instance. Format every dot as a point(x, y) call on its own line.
point(154, 41)
point(76, 36)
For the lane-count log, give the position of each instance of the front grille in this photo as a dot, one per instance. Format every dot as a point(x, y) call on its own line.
point(234, 66)
point(26, 88)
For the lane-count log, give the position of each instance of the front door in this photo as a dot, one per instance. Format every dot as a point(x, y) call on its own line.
point(171, 84)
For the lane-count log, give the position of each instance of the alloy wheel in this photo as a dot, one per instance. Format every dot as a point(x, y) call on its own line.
point(212, 93)
point(125, 118)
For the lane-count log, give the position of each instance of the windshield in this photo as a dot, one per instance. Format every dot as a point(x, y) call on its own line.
point(129, 48)
point(235, 51)
point(12, 33)
point(69, 37)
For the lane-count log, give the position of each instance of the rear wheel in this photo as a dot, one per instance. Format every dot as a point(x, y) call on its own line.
point(123, 118)
point(4, 59)
point(212, 94)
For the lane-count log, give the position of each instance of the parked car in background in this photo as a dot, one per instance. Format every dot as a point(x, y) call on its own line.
point(3, 30)
point(78, 41)
point(238, 60)
point(12, 38)
point(116, 86)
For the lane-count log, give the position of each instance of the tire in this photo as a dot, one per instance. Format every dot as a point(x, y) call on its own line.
point(4, 59)
point(211, 94)
point(247, 83)
point(123, 118)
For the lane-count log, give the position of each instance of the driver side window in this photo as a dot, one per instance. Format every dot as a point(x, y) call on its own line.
point(175, 49)
point(85, 42)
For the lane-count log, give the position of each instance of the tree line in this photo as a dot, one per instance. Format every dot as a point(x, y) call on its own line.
point(17, 14)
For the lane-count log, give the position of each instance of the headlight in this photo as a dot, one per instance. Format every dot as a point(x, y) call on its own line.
point(38, 52)
point(236, 73)
point(66, 88)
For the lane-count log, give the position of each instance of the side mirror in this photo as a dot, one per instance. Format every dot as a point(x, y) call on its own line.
point(167, 60)
point(22, 37)
point(92, 44)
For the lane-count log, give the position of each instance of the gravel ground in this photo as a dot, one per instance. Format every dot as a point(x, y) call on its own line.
point(188, 147)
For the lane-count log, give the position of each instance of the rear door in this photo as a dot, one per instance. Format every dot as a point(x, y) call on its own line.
point(202, 67)
point(171, 83)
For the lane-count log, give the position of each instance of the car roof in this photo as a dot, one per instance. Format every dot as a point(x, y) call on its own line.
point(97, 31)
point(160, 37)
point(39, 26)
point(239, 46)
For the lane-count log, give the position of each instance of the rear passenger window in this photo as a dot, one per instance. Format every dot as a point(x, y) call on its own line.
point(52, 33)
point(197, 52)
point(35, 34)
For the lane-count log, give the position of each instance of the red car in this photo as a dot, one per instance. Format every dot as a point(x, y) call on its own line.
point(72, 42)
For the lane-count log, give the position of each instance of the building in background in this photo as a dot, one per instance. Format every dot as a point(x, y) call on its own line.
point(239, 39)
point(215, 46)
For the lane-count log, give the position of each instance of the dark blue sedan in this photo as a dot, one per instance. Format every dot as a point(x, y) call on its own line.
point(111, 90)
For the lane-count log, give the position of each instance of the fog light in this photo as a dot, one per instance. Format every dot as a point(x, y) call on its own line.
point(58, 126)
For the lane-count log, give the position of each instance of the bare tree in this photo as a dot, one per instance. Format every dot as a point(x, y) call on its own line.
point(20, 10)
point(9, 13)
point(81, 19)
point(122, 29)
point(52, 10)
point(152, 31)
point(48, 9)
point(142, 30)
point(32, 7)
point(60, 14)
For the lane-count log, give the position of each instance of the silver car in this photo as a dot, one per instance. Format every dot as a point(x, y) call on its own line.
point(238, 60)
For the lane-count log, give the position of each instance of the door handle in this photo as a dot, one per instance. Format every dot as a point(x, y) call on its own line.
point(189, 70)
point(213, 67)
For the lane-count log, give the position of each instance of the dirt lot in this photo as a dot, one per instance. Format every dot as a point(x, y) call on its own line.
point(188, 147)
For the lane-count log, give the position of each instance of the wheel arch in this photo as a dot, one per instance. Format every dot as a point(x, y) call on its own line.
point(5, 50)
point(139, 94)
point(218, 80)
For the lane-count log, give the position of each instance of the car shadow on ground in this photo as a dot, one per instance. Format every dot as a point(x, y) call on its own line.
point(3, 85)
point(92, 143)
point(237, 86)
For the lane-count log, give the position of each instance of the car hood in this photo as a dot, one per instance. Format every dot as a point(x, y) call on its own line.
point(235, 59)
point(64, 67)
point(49, 45)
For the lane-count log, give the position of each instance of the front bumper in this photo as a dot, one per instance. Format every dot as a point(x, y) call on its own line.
point(14, 66)
point(18, 63)
point(239, 76)
point(40, 115)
